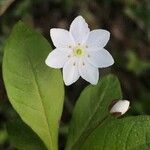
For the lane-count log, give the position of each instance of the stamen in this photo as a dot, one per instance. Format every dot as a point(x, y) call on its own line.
point(86, 46)
point(79, 51)
point(74, 63)
point(83, 63)
point(88, 55)
point(69, 46)
point(69, 56)
point(79, 43)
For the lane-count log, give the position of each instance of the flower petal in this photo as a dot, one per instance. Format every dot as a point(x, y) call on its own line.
point(120, 106)
point(70, 71)
point(100, 58)
point(98, 37)
point(61, 38)
point(79, 29)
point(58, 57)
point(88, 72)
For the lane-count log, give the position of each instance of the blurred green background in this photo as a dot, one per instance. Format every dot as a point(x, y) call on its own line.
point(129, 24)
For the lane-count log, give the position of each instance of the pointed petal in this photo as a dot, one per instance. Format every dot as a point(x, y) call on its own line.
point(61, 38)
point(58, 57)
point(79, 29)
point(100, 58)
point(98, 37)
point(88, 72)
point(70, 71)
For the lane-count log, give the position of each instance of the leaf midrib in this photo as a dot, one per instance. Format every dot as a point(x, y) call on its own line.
point(90, 118)
point(42, 104)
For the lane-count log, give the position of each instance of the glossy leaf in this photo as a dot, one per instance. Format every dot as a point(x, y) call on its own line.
point(132, 133)
point(35, 91)
point(91, 109)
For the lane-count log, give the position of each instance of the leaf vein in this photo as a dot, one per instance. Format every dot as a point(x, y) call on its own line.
point(39, 93)
point(91, 117)
point(130, 129)
point(27, 106)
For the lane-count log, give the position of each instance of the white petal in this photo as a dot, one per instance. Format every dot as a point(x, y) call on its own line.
point(100, 58)
point(70, 71)
point(79, 29)
point(98, 37)
point(88, 72)
point(61, 38)
point(121, 106)
point(58, 57)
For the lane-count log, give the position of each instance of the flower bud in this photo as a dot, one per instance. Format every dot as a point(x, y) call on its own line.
point(119, 107)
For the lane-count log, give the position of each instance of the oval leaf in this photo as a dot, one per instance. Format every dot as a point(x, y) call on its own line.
point(132, 133)
point(91, 109)
point(34, 90)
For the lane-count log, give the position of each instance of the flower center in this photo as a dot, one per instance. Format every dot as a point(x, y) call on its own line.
point(78, 52)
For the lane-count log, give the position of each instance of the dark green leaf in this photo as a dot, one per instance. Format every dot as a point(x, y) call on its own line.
point(91, 109)
point(132, 133)
point(22, 137)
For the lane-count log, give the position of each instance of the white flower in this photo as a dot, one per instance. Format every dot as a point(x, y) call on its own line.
point(79, 51)
point(120, 107)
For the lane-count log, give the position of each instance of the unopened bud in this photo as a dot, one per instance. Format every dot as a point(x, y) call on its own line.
point(119, 107)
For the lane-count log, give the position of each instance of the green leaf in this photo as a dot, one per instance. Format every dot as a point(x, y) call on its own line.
point(22, 137)
point(35, 91)
point(91, 109)
point(131, 133)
